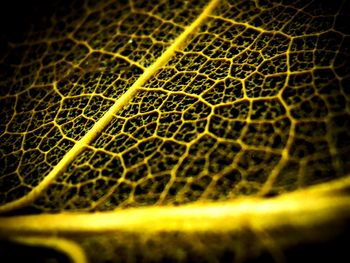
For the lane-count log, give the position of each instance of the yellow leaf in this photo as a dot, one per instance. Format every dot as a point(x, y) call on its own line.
point(115, 112)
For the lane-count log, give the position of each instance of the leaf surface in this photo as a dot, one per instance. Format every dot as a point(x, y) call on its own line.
point(122, 104)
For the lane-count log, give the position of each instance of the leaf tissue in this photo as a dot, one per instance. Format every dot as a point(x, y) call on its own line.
point(175, 131)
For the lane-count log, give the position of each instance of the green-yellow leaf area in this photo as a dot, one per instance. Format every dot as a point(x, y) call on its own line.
point(58, 85)
point(161, 104)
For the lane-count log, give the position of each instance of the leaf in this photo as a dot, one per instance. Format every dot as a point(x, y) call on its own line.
point(126, 104)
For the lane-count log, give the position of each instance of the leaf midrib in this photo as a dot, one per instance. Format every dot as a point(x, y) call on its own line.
point(102, 123)
point(324, 200)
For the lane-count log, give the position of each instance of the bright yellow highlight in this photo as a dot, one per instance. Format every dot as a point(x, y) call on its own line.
point(300, 207)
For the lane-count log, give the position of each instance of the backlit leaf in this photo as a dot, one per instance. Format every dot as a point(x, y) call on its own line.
point(124, 104)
